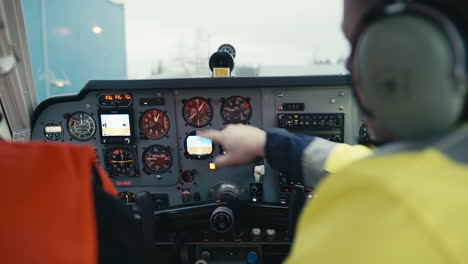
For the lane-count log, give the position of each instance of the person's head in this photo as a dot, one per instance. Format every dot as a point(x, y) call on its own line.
point(354, 13)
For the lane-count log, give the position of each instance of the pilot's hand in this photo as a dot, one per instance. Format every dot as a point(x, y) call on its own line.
point(242, 144)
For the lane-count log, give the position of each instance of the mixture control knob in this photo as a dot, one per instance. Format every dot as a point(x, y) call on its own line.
point(222, 219)
point(256, 233)
point(270, 234)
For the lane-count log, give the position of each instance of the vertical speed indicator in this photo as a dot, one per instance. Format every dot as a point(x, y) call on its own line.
point(157, 159)
point(236, 110)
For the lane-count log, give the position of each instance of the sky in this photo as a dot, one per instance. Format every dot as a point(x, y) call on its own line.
point(264, 32)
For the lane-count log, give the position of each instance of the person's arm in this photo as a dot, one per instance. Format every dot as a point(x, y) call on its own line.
point(299, 155)
point(296, 154)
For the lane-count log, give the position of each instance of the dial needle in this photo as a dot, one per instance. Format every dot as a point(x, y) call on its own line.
point(201, 106)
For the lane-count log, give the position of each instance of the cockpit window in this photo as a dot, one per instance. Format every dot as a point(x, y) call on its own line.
point(74, 41)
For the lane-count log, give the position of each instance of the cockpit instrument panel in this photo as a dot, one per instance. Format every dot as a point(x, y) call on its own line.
point(144, 131)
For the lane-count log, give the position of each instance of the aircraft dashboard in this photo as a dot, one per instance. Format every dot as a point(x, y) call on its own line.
point(143, 132)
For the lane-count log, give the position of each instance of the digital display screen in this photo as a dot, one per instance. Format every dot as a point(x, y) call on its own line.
point(53, 129)
point(115, 125)
point(199, 146)
point(115, 100)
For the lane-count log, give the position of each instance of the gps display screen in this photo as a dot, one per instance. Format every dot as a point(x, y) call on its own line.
point(115, 125)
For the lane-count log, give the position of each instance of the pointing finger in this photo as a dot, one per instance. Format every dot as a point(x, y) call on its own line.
point(223, 161)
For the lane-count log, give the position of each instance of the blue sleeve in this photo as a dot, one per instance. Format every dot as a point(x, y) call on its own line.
point(284, 151)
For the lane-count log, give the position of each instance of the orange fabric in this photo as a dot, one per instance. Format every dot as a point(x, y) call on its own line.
point(47, 209)
point(107, 184)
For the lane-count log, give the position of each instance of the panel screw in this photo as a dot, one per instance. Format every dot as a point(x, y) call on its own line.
point(280, 108)
point(88, 106)
point(341, 108)
point(341, 93)
point(280, 95)
point(332, 101)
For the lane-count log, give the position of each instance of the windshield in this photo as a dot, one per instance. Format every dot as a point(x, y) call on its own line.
point(74, 41)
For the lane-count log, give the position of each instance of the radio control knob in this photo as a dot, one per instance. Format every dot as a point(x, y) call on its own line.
point(270, 234)
point(256, 234)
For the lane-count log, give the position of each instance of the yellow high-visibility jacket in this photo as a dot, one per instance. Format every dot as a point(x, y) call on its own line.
point(409, 207)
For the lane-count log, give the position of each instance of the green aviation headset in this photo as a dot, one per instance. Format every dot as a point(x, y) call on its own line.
point(409, 69)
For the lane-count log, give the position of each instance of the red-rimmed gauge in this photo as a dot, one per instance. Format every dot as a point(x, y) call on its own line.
point(236, 110)
point(154, 124)
point(197, 112)
point(157, 159)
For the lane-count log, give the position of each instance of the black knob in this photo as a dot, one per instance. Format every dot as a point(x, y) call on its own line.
point(222, 219)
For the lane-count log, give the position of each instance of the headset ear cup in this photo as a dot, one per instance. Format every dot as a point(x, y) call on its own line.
point(462, 81)
point(405, 67)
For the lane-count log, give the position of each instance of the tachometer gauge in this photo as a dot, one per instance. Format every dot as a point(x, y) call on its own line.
point(121, 161)
point(154, 124)
point(236, 109)
point(52, 131)
point(81, 126)
point(157, 159)
point(197, 112)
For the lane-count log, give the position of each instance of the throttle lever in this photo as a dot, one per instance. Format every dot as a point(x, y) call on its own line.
point(144, 205)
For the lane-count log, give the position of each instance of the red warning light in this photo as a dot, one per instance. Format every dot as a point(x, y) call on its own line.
point(246, 105)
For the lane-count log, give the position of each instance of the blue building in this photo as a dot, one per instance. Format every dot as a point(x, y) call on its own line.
point(73, 41)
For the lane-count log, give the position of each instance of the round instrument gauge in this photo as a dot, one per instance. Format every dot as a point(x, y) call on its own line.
point(154, 124)
point(236, 109)
point(121, 161)
point(197, 112)
point(81, 126)
point(157, 159)
point(52, 131)
point(127, 197)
